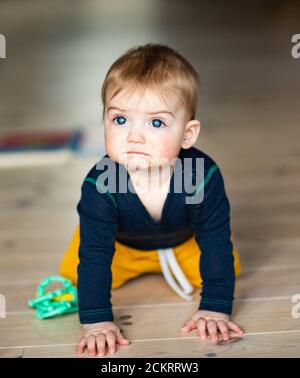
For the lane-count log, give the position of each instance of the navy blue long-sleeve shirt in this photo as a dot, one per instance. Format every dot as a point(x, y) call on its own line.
point(110, 213)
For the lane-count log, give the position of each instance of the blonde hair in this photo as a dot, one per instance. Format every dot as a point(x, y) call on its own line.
point(156, 67)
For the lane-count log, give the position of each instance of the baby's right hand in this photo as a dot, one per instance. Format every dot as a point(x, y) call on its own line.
point(96, 335)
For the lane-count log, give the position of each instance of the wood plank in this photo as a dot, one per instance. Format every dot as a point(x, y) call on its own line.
point(11, 352)
point(253, 316)
point(277, 345)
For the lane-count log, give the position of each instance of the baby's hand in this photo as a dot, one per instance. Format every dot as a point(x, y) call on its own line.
point(214, 324)
point(97, 334)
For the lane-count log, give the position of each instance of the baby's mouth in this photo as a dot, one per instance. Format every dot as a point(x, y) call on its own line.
point(137, 152)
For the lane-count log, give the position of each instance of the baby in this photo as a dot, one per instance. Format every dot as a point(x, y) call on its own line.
point(173, 203)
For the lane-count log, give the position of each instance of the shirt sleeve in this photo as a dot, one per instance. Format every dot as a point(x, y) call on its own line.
point(211, 223)
point(98, 228)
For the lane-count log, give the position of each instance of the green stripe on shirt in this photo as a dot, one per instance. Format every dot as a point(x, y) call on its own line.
point(103, 188)
point(206, 180)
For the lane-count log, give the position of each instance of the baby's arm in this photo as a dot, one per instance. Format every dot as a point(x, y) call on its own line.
point(98, 228)
point(211, 222)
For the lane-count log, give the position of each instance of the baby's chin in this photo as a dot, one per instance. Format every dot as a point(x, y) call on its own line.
point(135, 162)
point(139, 161)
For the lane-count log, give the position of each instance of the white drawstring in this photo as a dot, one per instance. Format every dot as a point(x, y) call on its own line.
point(167, 257)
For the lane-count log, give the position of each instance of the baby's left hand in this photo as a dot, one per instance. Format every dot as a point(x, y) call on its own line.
point(214, 324)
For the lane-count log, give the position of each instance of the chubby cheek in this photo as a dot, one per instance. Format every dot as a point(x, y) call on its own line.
point(112, 146)
point(168, 150)
point(169, 142)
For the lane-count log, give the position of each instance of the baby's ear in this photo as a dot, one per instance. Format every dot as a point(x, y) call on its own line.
point(191, 132)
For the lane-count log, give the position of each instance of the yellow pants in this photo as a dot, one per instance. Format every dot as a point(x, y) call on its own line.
point(129, 263)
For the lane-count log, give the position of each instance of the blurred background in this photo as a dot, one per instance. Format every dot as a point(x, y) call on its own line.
point(57, 55)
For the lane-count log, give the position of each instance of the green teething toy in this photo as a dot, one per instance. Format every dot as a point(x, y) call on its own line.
point(57, 302)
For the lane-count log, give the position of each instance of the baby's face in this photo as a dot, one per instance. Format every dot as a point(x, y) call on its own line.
point(141, 130)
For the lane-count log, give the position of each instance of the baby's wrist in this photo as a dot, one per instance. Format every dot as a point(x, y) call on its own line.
point(93, 325)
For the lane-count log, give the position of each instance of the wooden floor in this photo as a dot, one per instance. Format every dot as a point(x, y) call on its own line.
point(249, 108)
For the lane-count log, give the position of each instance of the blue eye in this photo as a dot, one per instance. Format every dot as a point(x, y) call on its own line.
point(157, 123)
point(121, 119)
